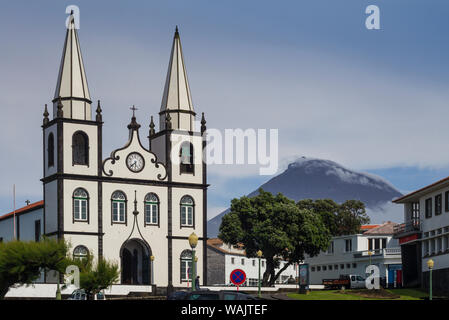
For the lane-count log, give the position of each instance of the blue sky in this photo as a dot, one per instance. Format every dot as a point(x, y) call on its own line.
point(372, 100)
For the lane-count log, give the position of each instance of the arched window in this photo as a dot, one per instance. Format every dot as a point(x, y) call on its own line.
point(51, 150)
point(80, 252)
point(80, 205)
point(118, 207)
point(186, 265)
point(151, 209)
point(80, 148)
point(186, 157)
point(187, 211)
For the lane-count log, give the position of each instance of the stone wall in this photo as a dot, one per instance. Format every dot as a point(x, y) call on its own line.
point(215, 267)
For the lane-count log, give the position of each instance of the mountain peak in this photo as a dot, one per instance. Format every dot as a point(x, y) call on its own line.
point(313, 178)
point(314, 166)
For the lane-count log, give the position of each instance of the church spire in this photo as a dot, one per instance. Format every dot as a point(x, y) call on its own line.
point(176, 98)
point(72, 82)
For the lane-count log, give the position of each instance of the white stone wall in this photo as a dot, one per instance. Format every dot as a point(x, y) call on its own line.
point(7, 229)
point(27, 224)
point(80, 226)
point(91, 131)
point(251, 268)
point(177, 140)
point(435, 231)
point(149, 172)
point(48, 171)
point(51, 206)
point(351, 264)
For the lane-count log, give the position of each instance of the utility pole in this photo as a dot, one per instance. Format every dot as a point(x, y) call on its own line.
point(14, 205)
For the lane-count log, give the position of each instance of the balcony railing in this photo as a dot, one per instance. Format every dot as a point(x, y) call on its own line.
point(378, 252)
point(410, 226)
point(392, 251)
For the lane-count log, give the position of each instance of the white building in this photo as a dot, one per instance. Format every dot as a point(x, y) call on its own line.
point(223, 259)
point(136, 207)
point(425, 235)
point(350, 255)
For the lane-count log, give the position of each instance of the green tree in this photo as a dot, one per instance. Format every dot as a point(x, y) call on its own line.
point(327, 209)
point(351, 216)
point(278, 227)
point(21, 262)
point(98, 276)
point(340, 220)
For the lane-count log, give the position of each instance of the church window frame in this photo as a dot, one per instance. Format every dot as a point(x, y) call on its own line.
point(187, 212)
point(80, 205)
point(185, 260)
point(80, 252)
point(151, 209)
point(186, 158)
point(51, 150)
point(119, 203)
point(80, 153)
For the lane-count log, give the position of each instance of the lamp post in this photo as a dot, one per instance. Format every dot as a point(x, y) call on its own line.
point(259, 254)
point(193, 241)
point(430, 264)
point(370, 253)
point(152, 272)
point(58, 289)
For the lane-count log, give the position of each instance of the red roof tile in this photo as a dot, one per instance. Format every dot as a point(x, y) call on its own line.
point(369, 226)
point(385, 228)
point(31, 206)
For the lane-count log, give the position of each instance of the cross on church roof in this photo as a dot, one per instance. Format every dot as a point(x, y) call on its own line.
point(133, 125)
point(133, 108)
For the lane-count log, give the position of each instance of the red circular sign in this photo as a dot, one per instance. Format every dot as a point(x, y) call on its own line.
point(238, 277)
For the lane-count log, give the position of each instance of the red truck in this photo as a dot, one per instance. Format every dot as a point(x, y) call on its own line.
point(352, 281)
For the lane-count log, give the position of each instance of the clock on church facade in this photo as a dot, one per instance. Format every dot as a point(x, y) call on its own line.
point(138, 205)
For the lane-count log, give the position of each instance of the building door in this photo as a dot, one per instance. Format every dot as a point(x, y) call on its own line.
point(126, 266)
point(135, 267)
point(145, 266)
point(135, 264)
point(399, 278)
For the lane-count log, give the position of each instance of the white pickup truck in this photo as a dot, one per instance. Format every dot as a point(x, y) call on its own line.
point(351, 281)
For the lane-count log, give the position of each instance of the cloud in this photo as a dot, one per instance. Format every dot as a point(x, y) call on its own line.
point(387, 212)
point(349, 103)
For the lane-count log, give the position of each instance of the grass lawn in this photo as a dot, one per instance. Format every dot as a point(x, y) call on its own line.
point(388, 294)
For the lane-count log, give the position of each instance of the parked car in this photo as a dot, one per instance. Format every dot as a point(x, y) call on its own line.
point(178, 295)
point(80, 294)
point(210, 295)
point(352, 281)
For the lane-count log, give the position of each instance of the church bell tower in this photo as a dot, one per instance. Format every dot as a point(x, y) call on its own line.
point(71, 145)
point(179, 145)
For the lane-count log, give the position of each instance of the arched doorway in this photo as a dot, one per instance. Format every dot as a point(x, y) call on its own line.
point(135, 262)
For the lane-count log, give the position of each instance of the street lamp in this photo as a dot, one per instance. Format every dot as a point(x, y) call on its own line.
point(259, 254)
point(430, 264)
point(193, 241)
point(370, 253)
point(152, 272)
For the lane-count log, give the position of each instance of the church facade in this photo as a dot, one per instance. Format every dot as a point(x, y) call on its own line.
point(138, 205)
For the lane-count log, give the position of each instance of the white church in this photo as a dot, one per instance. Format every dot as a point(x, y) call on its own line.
point(136, 206)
